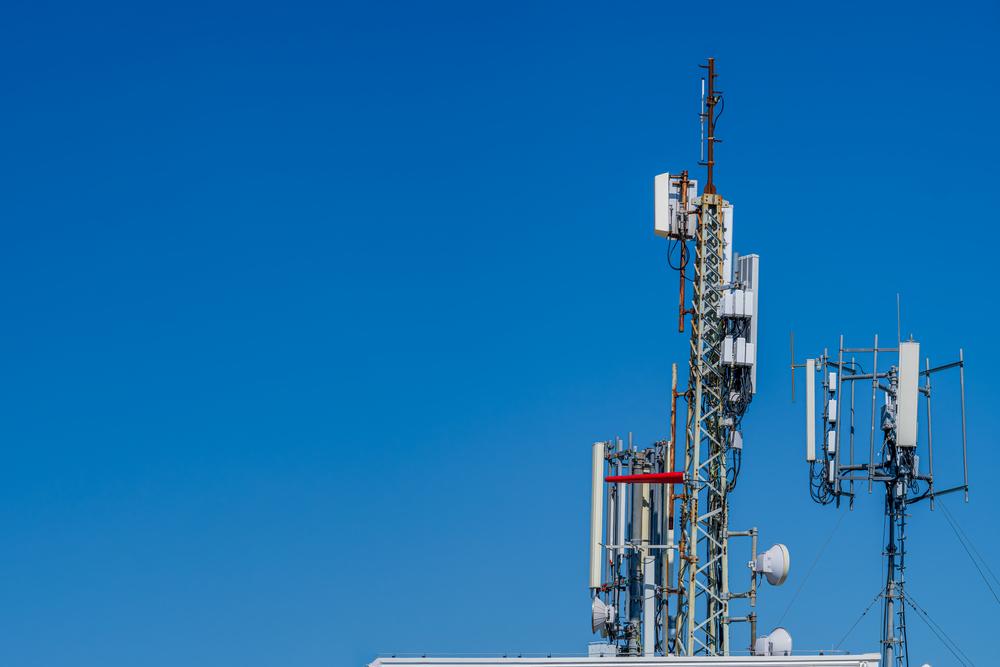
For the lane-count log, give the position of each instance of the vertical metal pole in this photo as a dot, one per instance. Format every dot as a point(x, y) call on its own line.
point(648, 568)
point(871, 445)
point(890, 623)
point(710, 102)
point(610, 532)
point(638, 550)
point(724, 611)
point(684, 548)
point(693, 490)
point(899, 325)
point(888, 619)
point(648, 604)
point(965, 456)
point(694, 480)
point(668, 529)
point(683, 279)
point(621, 505)
point(902, 657)
point(753, 590)
point(620, 493)
point(851, 435)
point(838, 427)
point(673, 426)
point(930, 441)
point(684, 206)
point(791, 345)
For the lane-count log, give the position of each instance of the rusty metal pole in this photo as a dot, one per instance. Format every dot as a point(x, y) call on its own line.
point(710, 102)
point(680, 306)
point(683, 241)
point(672, 456)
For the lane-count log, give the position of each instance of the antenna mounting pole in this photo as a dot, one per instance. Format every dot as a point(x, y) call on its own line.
point(709, 117)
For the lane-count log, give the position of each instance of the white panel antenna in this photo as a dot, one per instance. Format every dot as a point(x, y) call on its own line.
point(727, 241)
point(596, 514)
point(906, 401)
point(674, 215)
point(810, 410)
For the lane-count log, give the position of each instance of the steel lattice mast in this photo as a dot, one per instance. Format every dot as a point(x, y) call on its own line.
point(637, 603)
point(704, 565)
point(705, 512)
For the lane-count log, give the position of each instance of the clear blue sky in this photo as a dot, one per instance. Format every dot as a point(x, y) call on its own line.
point(311, 313)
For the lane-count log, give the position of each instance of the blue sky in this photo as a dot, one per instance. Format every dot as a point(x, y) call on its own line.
point(313, 311)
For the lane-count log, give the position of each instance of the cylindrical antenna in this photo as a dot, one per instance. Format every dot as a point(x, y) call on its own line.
point(648, 604)
point(965, 456)
point(701, 117)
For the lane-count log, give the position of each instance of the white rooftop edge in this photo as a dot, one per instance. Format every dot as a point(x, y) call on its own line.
point(859, 660)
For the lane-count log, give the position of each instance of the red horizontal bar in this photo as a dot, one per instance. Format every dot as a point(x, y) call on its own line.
point(650, 478)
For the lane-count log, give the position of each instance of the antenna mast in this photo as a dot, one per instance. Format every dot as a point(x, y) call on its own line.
point(637, 603)
point(704, 516)
point(895, 464)
point(708, 114)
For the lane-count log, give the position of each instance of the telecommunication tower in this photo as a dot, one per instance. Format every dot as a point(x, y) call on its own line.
point(893, 462)
point(660, 541)
point(657, 590)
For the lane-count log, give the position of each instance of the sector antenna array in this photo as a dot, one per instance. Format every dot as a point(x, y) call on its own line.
point(895, 460)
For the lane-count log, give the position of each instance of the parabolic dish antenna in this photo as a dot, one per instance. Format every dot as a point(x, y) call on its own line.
point(774, 564)
point(779, 642)
point(600, 615)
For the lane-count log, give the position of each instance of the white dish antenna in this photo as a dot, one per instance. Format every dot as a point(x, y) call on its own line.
point(600, 616)
point(779, 642)
point(773, 564)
